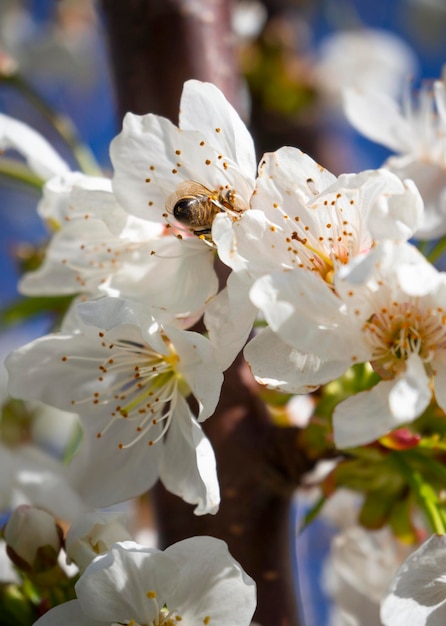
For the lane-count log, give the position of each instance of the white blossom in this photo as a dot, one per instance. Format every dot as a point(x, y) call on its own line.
point(303, 227)
point(195, 581)
point(100, 249)
point(128, 378)
point(357, 573)
point(416, 132)
point(364, 58)
point(211, 147)
point(29, 476)
point(393, 319)
point(29, 529)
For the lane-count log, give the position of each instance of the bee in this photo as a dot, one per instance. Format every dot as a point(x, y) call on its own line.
point(195, 206)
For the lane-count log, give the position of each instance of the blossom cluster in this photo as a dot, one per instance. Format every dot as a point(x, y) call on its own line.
point(322, 278)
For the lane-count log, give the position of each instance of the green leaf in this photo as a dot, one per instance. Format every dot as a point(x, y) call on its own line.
point(26, 308)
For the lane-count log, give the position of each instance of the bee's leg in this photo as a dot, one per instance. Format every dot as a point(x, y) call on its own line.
point(206, 234)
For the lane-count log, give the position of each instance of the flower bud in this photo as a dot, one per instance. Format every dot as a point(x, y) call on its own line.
point(33, 539)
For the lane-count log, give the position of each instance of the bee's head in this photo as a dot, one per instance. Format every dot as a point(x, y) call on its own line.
point(184, 209)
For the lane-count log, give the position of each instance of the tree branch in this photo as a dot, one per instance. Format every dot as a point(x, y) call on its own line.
point(155, 46)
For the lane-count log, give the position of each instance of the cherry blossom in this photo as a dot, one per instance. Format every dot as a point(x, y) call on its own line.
point(211, 148)
point(129, 377)
point(303, 226)
point(390, 314)
point(195, 581)
point(100, 249)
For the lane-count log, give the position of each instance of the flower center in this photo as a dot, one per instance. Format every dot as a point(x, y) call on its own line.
point(165, 617)
point(402, 329)
point(137, 384)
point(330, 234)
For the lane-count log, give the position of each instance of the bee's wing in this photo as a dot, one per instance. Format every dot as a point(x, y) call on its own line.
point(184, 189)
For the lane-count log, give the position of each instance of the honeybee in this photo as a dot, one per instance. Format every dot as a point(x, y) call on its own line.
point(195, 206)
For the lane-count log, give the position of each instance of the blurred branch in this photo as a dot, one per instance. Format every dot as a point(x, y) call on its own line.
point(61, 124)
point(155, 45)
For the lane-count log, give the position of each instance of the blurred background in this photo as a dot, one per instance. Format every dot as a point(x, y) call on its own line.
point(295, 57)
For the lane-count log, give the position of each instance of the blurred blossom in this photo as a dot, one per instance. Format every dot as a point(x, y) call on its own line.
point(29, 476)
point(364, 58)
point(342, 508)
point(63, 47)
point(248, 19)
point(359, 569)
point(416, 132)
point(300, 409)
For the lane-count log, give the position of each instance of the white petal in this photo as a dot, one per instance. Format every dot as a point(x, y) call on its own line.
point(187, 464)
point(301, 308)
point(397, 215)
point(54, 204)
point(168, 275)
point(251, 246)
point(68, 614)
point(430, 179)
point(199, 367)
point(39, 154)
point(418, 593)
point(417, 277)
point(107, 474)
point(108, 313)
point(439, 367)
point(229, 318)
point(379, 118)
point(286, 176)
point(370, 414)
point(220, 589)
point(36, 372)
point(29, 476)
point(411, 393)
point(114, 587)
point(277, 365)
point(174, 155)
point(203, 107)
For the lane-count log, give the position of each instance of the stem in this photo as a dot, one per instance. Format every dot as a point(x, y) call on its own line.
point(424, 493)
point(437, 251)
point(62, 125)
point(17, 171)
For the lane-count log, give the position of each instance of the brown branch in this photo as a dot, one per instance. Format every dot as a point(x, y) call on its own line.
point(256, 486)
point(155, 46)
